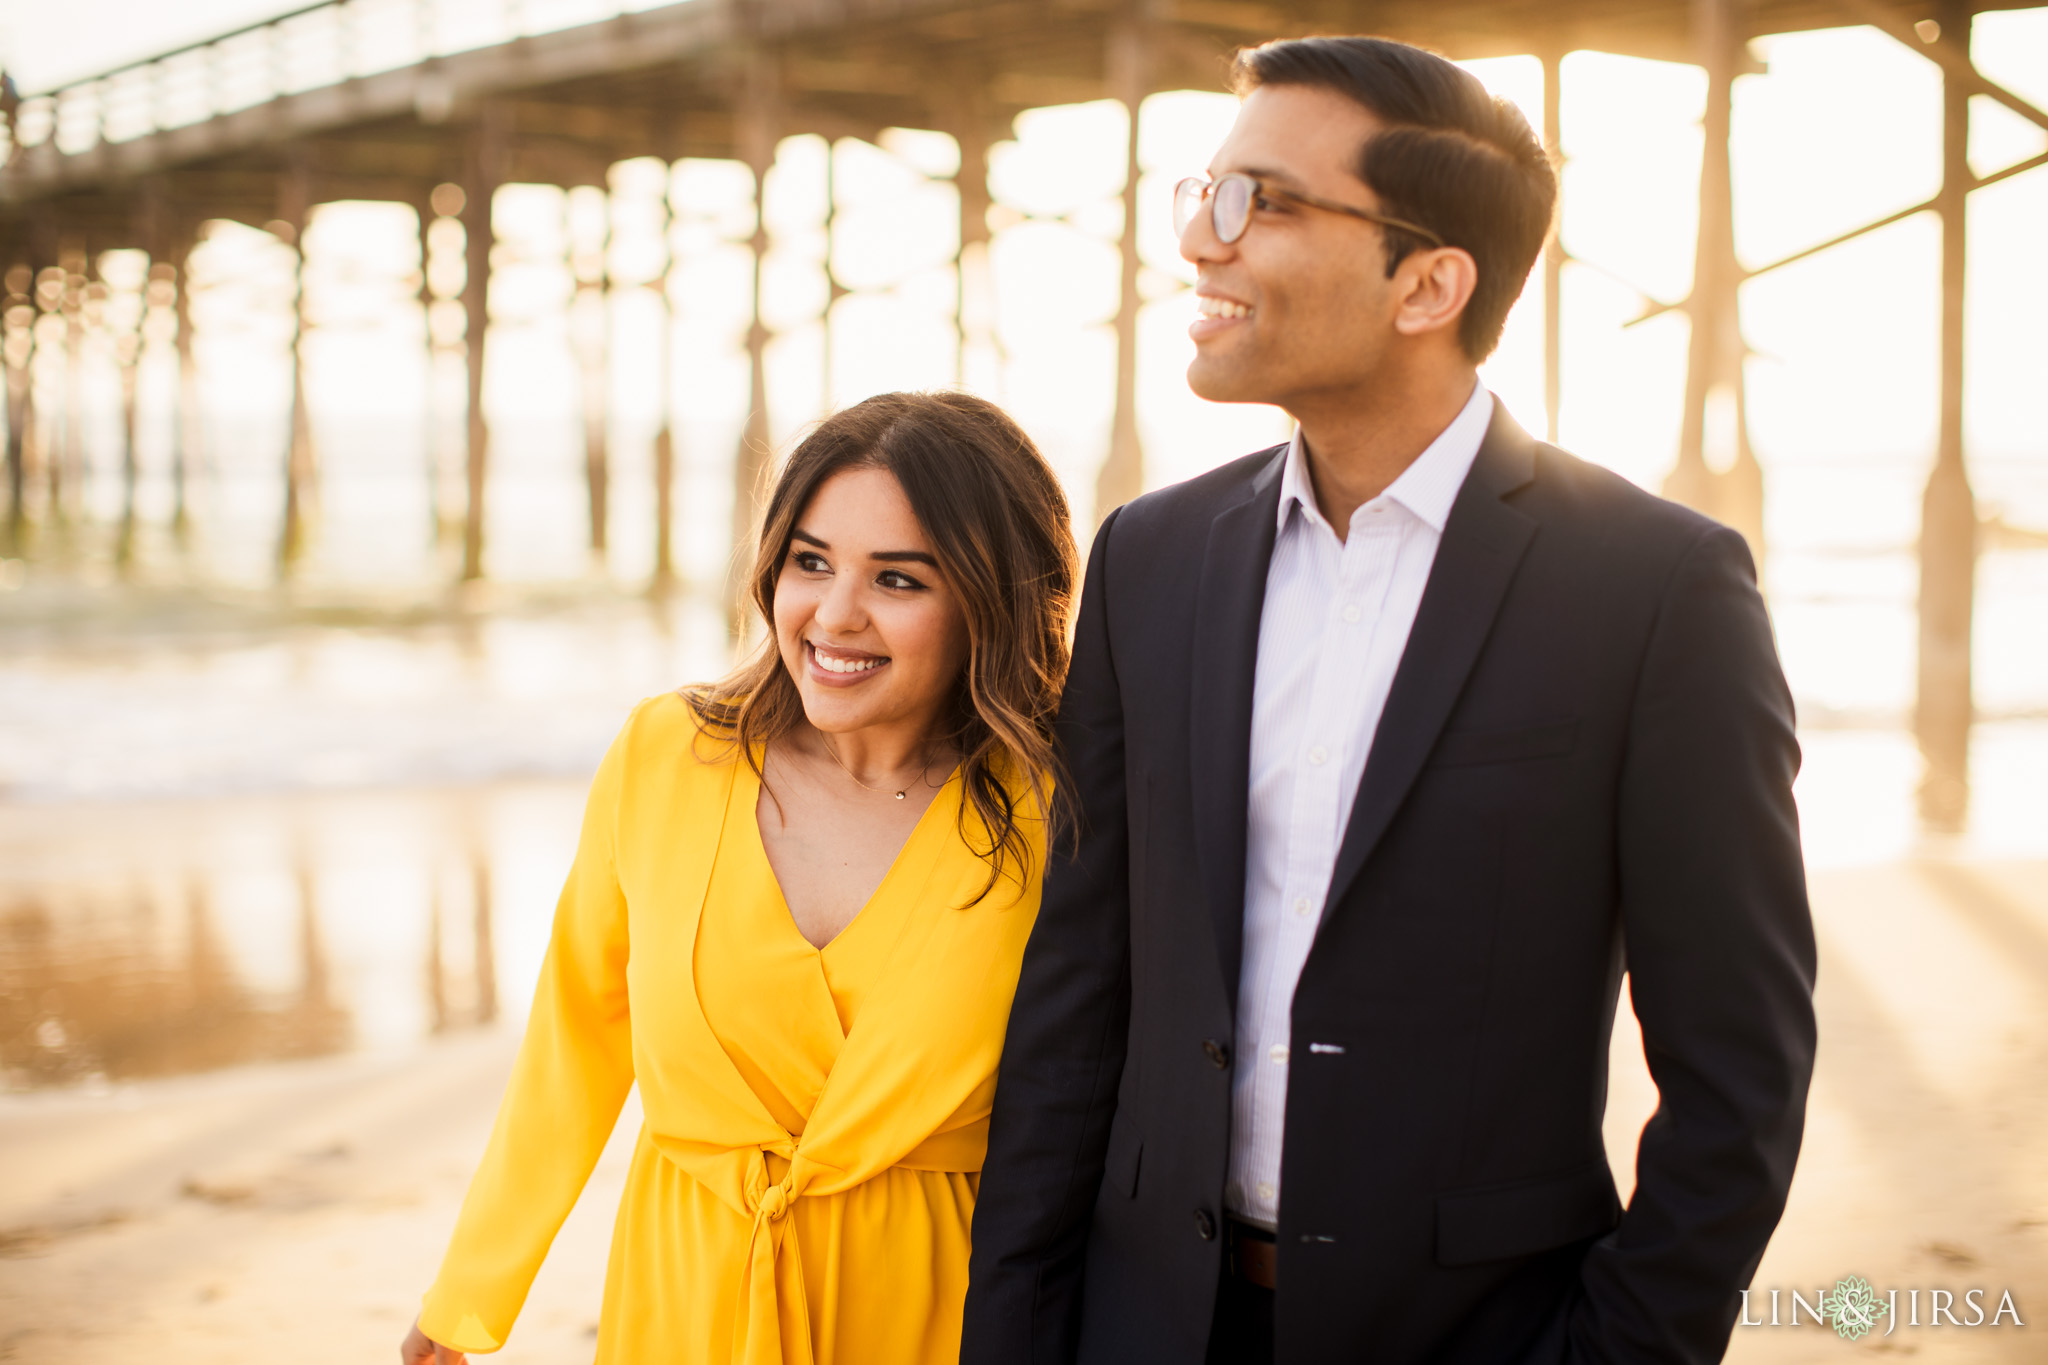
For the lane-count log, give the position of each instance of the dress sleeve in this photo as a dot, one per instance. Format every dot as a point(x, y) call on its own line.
point(568, 1084)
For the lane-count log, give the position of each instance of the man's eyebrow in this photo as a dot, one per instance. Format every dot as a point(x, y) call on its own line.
point(1271, 173)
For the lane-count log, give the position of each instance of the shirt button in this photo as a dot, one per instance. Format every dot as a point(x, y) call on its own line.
point(1318, 756)
point(1303, 906)
point(1265, 1192)
point(1352, 613)
point(1278, 1052)
point(1377, 508)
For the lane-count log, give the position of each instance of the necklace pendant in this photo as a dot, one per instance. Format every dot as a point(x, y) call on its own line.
point(899, 796)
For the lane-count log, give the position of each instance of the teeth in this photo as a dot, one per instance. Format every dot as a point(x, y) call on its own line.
point(832, 665)
point(1221, 308)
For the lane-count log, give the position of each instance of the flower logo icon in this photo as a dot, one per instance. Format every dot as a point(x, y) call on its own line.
point(1853, 1306)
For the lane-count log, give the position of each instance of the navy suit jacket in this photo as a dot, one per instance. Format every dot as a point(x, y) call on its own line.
point(1585, 766)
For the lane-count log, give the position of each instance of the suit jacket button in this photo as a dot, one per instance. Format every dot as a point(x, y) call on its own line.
point(1218, 1054)
point(1205, 1225)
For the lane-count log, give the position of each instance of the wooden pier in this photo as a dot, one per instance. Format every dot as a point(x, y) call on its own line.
point(437, 103)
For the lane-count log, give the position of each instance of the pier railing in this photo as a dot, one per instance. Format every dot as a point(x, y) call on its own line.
point(317, 46)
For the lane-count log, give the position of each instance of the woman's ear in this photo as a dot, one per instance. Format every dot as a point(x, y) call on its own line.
point(1434, 287)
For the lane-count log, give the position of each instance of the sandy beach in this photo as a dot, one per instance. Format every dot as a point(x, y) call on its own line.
point(296, 1209)
point(293, 1210)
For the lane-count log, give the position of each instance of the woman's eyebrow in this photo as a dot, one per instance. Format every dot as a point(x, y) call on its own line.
point(885, 556)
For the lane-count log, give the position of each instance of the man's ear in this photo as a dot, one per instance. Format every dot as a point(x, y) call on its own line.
point(1434, 286)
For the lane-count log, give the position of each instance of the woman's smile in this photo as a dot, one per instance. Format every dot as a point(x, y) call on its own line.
point(835, 666)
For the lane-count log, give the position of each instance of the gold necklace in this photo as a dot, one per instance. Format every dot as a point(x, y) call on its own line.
point(826, 741)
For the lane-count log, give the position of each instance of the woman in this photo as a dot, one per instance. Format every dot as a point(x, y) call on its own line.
point(796, 918)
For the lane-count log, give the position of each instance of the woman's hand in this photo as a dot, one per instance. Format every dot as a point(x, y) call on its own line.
point(418, 1349)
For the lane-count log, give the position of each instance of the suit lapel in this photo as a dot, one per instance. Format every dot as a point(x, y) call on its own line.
point(1228, 599)
point(1483, 542)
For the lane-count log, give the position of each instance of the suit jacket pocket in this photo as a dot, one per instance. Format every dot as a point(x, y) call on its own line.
point(1120, 1168)
point(1503, 746)
point(1496, 1222)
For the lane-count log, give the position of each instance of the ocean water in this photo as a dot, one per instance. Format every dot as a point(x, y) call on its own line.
point(236, 829)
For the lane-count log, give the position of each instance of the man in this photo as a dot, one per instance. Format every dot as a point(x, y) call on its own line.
point(1392, 747)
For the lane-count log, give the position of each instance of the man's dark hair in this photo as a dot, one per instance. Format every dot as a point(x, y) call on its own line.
point(1451, 158)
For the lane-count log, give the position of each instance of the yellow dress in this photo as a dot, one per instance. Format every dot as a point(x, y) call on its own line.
point(815, 1120)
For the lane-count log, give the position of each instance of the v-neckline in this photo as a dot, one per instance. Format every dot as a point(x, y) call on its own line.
point(760, 846)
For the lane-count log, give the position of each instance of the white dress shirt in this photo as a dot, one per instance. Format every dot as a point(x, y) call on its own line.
point(1335, 623)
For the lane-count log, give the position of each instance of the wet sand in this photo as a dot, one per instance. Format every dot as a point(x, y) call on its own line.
point(292, 1211)
point(297, 1208)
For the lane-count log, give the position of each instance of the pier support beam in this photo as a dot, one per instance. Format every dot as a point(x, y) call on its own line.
point(17, 348)
point(977, 364)
point(1553, 250)
point(1948, 512)
point(438, 290)
point(294, 205)
point(187, 423)
point(835, 290)
point(67, 461)
point(1122, 476)
point(128, 360)
point(591, 331)
point(483, 171)
point(1716, 416)
point(430, 426)
point(664, 436)
point(45, 453)
point(759, 130)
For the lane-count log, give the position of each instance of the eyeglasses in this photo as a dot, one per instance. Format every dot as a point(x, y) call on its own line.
point(1231, 199)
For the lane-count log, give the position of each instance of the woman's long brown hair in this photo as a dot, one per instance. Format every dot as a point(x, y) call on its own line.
point(999, 526)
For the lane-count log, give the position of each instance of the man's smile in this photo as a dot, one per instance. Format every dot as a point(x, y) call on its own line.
point(1213, 306)
point(1217, 313)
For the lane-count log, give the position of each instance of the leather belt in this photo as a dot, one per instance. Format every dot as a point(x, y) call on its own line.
point(1254, 1254)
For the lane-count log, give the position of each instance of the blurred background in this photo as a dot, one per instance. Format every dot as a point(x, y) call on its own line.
point(389, 381)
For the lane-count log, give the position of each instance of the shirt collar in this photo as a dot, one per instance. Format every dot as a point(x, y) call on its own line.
point(1427, 487)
